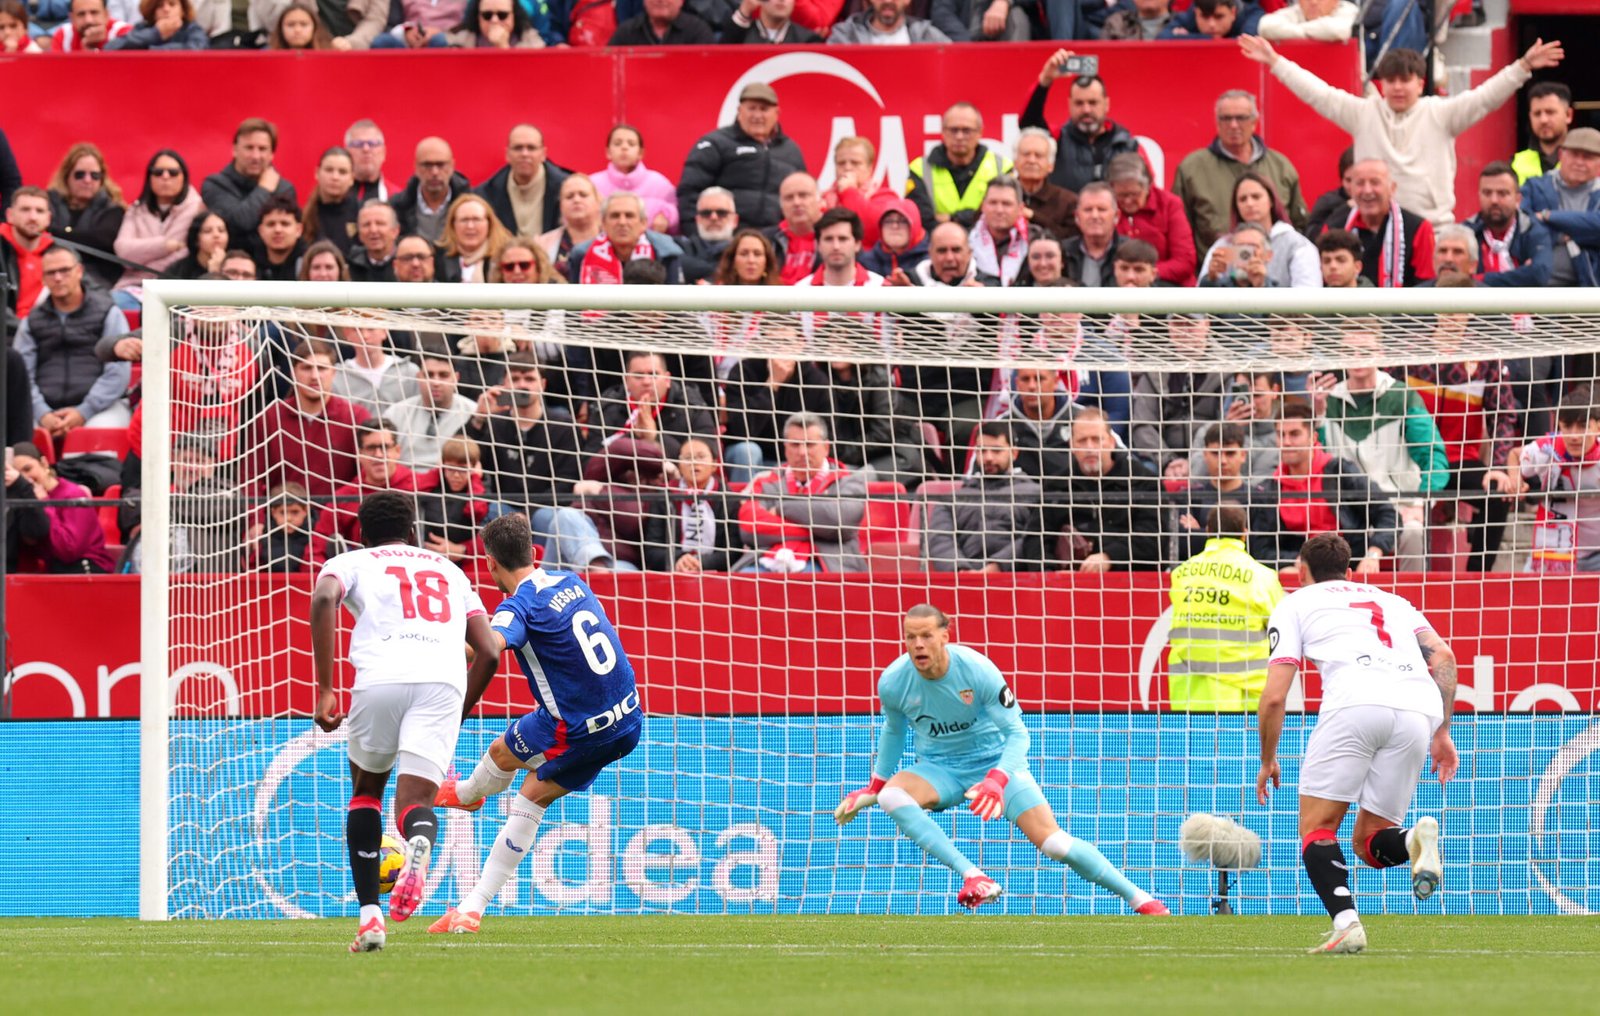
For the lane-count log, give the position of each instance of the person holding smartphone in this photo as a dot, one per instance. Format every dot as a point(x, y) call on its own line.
point(1090, 139)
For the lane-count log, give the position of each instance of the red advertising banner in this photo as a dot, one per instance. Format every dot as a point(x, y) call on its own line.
point(134, 103)
point(718, 645)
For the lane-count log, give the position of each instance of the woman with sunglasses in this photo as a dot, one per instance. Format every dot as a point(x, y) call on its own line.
point(332, 209)
point(580, 220)
point(86, 208)
point(168, 24)
point(495, 24)
point(155, 229)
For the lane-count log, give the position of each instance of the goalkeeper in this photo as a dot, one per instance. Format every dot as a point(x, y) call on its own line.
point(970, 743)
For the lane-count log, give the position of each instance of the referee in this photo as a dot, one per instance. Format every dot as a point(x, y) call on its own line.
point(1221, 599)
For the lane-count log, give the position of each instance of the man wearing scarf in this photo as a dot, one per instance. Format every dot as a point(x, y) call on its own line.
point(1001, 237)
point(1514, 247)
point(1396, 245)
point(623, 238)
point(805, 516)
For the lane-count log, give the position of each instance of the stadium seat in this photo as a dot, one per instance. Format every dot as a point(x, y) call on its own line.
point(45, 443)
point(105, 440)
point(889, 539)
point(933, 439)
point(108, 514)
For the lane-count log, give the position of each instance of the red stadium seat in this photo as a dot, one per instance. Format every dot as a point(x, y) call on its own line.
point(106, 440)
point(45, 443)
point(108, 515)
point(889, 538)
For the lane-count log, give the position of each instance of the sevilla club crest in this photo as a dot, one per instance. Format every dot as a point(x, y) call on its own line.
point(966, 696)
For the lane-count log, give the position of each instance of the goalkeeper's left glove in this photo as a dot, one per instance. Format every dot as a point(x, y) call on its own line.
point(858, 800)
point(989, 797)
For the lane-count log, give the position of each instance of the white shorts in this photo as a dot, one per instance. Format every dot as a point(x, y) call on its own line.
point(414, 725)
point(1367, 755)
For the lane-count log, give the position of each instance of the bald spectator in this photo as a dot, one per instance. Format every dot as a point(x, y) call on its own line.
point(525, 193)
point(750, 157)
point(1154, 216)
point(1087, 257)
point(663, 23)
point(240, 190)
point(1207, 176)
point(1087, 142)
point(885, 23)
point(795, 238)
point(413, 260)
point(955, 175)
point(1052, 205)
point(949, 260)
point(1391, 258)
point(429, 193)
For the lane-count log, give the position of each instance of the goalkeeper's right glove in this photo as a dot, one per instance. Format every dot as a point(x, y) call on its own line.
point(856, 800)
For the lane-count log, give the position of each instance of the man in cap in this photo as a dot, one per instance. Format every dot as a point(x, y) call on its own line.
point(750, 157)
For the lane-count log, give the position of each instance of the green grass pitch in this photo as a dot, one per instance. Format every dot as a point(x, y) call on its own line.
point(884, 966)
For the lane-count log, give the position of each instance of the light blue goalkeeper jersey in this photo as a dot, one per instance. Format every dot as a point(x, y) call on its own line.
point(967, 720)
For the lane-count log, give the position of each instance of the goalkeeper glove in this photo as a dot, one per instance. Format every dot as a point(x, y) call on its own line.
point(989, 797)
point(856, 800)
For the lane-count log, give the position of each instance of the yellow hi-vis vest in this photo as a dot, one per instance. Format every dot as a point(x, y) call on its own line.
point(1221, 600)
point(1527, 165)
point(942, 185)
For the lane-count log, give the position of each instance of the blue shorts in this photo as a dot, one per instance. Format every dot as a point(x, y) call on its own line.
point(1022, 790)
point(543, 746)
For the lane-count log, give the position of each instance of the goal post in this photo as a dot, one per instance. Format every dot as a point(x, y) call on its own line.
point(759, 678)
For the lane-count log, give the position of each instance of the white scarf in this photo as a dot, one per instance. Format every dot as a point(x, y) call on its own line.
point(1392, 261)
point(1497, 253)
point(987, 259)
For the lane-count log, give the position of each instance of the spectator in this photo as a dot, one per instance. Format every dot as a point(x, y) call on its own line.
point(1137, 21)
point(580, 221)
point(950, 261)
point(238, 266)
point(531, 446)
point(205, 245)
point(378, 230)
point(1214, 19)
point(1243, 258)
point(452, 502)
point(1208, 178)
point(902, 247)
point(14, 38)
point(322, 262)
point(839, 244)
point(90, 29)
point(286, 547)
point(371, 378)
point(1318, 493)
point(1396, 243)
point(1000, 239)
point(1329, 203)
point(854, 163)
point(27, 237)
point(625, 498)
point(307, 437)
point(473, 237)
point(1340, 253)
point(749, 157)
point(1476, 409)
point(525, 194)
point(332, 211)
point(1172, 409)
point(1287, 258)
point(885, 23)
point(71, 387)
point(495, 24)
point(716, 221)
point(625, 171)
point(805, 516)
point(1086, 256)
point(663, 23)
point(982, 20)
point(279, 241)
point(651, 405)
point(1378, 423)
point(378, 467)
point(1134, 267)
point(1515, 247)
point(167, 24)
point(795, 239)
point(369, 151)
point(698, 532)
point(300, 27)
point(1110, 514)
point(217, 373)
point(1044, 262)
point(1252, 404)
point(1039, 418)
point(1154, 216)
point(434, 415)
point(1089, 140)
point(414, 259)
point(1052, 206)
point(1414, 134)
point(1566, 201)
point(762, 393)
point(992, 523)
point(766, 22)
point(73, 541)
point(956, 173)
point(241, 190)
point(1222, 480)
point(431, 192)
point(86, 208)
point(19, 400)
point(155, 229)
point(623, 239)
point(523, 262)
point(1561, 467)
point(1549, 119)
point(1317, 20)
point(424, 24)
point(747, 260)
point(869, 416)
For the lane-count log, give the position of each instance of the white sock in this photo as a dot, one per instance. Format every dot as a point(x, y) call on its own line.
point(972, 873)
point(370, 911)
point(1344, 919)
point(487, 780)
point(507, 852)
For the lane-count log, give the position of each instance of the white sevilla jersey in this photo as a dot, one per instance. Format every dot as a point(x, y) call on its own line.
point(411, 608)
point(1364, 643)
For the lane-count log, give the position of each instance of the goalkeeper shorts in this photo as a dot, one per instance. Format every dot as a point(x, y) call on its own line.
point(952, 784)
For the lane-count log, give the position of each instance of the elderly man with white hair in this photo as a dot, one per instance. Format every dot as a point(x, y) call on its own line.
point(1396, 243)
point(623, 238)
point(1051, 204)
point(1206, 177)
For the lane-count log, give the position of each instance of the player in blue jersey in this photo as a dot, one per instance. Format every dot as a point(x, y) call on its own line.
point(971, 744)
point(588, 714)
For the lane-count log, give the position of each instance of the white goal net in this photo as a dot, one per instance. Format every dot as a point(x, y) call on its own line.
point(760, 481)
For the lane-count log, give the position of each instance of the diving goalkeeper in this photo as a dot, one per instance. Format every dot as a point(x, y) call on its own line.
point(970, 743)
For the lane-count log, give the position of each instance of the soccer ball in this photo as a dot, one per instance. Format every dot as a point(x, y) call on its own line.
point(391, 858)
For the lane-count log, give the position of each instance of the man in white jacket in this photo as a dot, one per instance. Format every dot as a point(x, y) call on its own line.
point(1413, 133)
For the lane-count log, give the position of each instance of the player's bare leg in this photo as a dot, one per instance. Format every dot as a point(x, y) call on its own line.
point(363, 831)
point(419, 827)
point(492, 775)
point(1039, 825)
point(1329, 873)
point(510, 846)
point(1381, 843)
point(906, 799)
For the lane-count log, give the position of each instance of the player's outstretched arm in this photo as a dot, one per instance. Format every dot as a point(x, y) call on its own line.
point(1269, 719)
point(324, 610)
point(1441, 662)
point(487, 645)
point(891, 745)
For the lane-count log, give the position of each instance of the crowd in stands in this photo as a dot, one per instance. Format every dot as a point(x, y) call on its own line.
point(657, 460)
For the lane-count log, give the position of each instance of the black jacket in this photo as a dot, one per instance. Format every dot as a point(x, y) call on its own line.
point(1072, 255)
point(497, 191)
point(990, 520)
point(687, 30)
point(700, 257)
point(1079, 159)
point(1367, 517)
point(682, 415)
point(405, 203)
point(1117, 513)
point(750, 34)
point(239, 200)
point(529, 468)
point(28, 524)
point(19, 399)
point(755, 411)
point(869, 417)
point(753, 171)
point(664, 531)
point(1322, 211)
point(93, 226)
point(363, 270)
